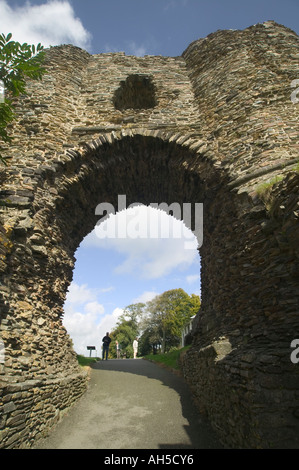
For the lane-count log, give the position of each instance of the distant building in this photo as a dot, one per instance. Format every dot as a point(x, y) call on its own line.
point(186, 330)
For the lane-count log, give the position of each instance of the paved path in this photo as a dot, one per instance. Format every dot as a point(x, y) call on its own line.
point(132, 404)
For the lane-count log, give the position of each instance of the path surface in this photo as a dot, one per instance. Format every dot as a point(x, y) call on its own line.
point(132, 404)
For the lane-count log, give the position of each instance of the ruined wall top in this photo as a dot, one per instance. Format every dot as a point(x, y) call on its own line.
point(230, 90)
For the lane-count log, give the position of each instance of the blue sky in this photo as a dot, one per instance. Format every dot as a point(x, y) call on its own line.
point(156, 27)
point(111, 273)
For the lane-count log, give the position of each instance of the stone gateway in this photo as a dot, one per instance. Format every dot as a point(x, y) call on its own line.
point(214, 126)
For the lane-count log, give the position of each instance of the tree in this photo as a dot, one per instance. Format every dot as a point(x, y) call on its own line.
point(133, 312)
point(160, 322)
point(17, 62)
point(150, 340)
point(127, 328)
point(168, 314)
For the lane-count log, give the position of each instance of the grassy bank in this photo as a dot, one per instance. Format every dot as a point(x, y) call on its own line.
point(86, 361)
point(170, 359)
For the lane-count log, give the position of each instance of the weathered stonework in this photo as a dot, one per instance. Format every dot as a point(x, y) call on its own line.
point(209, 126)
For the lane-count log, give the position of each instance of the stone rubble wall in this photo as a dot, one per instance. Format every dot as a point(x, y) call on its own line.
point(239, 366)
point(242, 85)
point(222, 123)
point(253, 304)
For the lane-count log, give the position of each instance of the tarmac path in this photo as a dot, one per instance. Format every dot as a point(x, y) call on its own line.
point(132, 404)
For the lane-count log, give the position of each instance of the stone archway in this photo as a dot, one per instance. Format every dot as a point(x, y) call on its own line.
point(196, 142)
point(43, 229)
point(230, 361)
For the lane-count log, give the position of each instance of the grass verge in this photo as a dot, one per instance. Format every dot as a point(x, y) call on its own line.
point(170, 359)
point(86, 361)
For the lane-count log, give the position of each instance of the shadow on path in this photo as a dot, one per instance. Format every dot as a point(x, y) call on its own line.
point(132, 404)
point(197, 428)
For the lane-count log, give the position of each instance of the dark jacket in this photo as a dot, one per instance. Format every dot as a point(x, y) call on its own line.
point(106, 341)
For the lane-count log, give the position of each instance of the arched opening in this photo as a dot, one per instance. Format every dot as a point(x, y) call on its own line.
point(131, 257)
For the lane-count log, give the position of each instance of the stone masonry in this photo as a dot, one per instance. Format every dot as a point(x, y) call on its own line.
point(211, 126)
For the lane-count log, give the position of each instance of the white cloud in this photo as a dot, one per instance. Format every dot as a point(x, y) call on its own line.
point(107, 289)
point(138, 50)
point(193, 278)
point(153, 243)
point(80, 294)
point(167, 257)
point(108, 322)
point(83, 329)
point(51, 23)
point(129, 47)
point(153, 259)
point(85, 319)
point(94, 308)
point(145, 297)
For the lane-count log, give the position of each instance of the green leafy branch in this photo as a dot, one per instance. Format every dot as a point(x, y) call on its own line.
point(17, 62)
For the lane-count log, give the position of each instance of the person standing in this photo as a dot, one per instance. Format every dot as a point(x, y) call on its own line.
point(117, 349)
point(106, 343)
point(135, 347)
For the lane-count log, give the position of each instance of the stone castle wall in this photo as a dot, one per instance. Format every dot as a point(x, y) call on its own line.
point(210, 126)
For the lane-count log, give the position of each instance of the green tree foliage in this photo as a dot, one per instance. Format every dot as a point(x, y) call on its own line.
point(157, 323)
point(133, 312)
point(126, 330)
point(167, 314)
point(17, 62)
